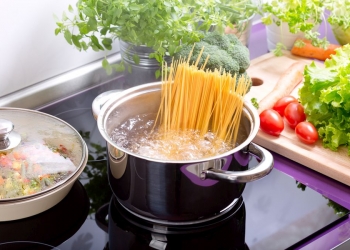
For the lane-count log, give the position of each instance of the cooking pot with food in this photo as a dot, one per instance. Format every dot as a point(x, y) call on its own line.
point(41, 157)
point(176, 191)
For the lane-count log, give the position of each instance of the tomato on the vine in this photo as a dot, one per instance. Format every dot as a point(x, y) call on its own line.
point(282, 103)
point(294, 113)
point(271, 122)
point(306, 132)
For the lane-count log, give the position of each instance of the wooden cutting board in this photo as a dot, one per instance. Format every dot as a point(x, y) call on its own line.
point(267, 69)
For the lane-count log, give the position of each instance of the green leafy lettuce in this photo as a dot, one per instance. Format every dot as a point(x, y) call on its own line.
point(325, 96)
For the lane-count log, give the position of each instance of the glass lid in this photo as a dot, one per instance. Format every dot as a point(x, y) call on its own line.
point(38, 152)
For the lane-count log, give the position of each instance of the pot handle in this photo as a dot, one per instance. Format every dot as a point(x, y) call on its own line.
point(101, 99)
point(262, 169)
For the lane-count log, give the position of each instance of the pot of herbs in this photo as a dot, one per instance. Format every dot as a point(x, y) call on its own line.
point(159, 24)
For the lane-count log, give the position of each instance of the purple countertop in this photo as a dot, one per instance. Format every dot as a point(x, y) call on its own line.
point(329, 239)
point(330, 188)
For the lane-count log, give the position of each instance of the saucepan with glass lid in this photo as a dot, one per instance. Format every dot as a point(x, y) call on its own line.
point(178, 177)
point(41, 157)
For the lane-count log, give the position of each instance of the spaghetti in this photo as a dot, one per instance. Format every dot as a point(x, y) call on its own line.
point(201, 100)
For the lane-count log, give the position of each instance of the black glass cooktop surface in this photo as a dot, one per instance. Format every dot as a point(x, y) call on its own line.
point(278, 210)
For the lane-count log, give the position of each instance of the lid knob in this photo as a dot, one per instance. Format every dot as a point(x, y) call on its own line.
point(5, 128)
point(8, 138)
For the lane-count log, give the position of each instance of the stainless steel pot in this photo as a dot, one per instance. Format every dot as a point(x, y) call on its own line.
point(175, 191)
point(31, 144)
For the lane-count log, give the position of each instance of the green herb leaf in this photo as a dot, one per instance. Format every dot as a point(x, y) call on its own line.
point(83, 28)
point(92, 24)
point(96, 43)
point(76, 41)
point(88, 12)
point(107, 43)
point(104, 31)
point(278, 51)
point(255, 102)
point(135, 7)
point(68, 36)
point(136, 59)
point(152, 55)
point(119, 67)
point(299, 43)
point(57, 31)
point(117, 13)
point(157, 73)
point(84, 45)
point(107, 66)
point(94, 47)
point(64, 17)
point(70, 9)
point(172, 49)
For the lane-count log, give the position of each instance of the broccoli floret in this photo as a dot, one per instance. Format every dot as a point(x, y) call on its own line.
point(233, 39)
point(218, 60)
point(226, 52)
point(184, 52)
point(215, 38)
point(241, 55)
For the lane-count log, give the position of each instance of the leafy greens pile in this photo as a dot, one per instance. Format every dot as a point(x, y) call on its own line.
point(325, 96)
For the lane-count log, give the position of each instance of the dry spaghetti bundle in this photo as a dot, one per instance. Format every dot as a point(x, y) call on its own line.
point(201, 100)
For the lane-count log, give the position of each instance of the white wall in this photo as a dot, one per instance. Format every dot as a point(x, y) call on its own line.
point(29, 50)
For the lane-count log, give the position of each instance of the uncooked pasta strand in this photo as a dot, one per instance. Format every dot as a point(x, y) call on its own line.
point(202, 100)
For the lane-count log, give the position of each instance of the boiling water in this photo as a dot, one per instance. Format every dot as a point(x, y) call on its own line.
point(137, 136)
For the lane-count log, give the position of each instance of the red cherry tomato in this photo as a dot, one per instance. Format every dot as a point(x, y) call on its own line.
point(306, 132)
point(271, 122)
point(294, 113)
point(282, 103)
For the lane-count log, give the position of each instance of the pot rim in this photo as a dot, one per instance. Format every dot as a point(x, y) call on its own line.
point(74, 175)
point(109, 106)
